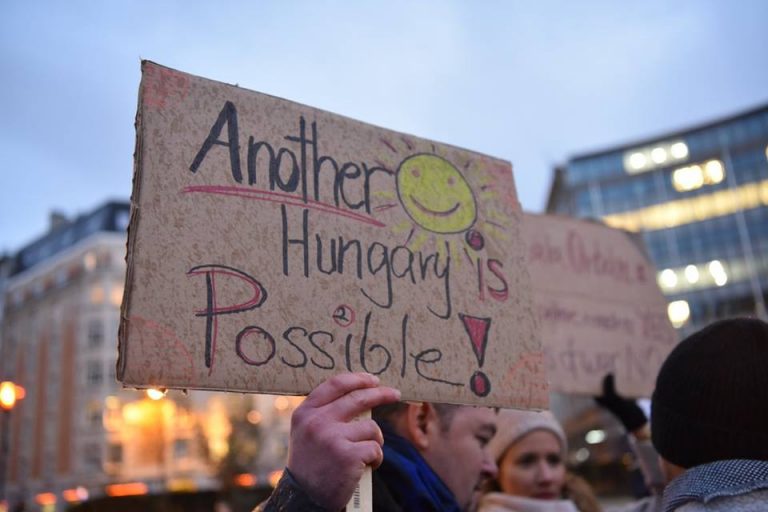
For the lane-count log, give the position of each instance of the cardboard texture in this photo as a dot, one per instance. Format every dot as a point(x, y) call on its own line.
point(272, 245)
point(598, 305)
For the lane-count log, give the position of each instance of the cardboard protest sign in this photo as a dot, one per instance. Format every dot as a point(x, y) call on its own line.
point(599, 307)
point(272, 245)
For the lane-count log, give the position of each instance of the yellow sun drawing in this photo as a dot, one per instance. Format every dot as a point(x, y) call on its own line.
point(440, 203)
point(435, 194)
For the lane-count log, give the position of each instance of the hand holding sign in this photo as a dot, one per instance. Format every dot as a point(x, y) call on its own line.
point(329, 449)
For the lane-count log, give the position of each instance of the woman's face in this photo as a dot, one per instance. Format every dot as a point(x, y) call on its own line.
point(533, 467)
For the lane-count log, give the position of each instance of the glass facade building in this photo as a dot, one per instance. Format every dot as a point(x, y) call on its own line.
point(699, 200)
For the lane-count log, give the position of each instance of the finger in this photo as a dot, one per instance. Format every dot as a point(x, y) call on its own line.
point(359, 401)
point(362, 430)
point(369, 453)
point(338, 386)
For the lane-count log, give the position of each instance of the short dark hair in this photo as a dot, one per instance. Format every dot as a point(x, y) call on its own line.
point(445, 412)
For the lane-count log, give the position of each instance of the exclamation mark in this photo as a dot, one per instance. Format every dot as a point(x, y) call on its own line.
point(477, 328)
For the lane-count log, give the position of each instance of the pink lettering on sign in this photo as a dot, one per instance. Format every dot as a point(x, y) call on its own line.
point(571, 362)
point(545, 252)
point(477, 329)
point(582, 256)
point(596, 260)
point(258, 294)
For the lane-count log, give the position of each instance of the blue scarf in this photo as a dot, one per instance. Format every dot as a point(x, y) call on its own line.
point(409, 478)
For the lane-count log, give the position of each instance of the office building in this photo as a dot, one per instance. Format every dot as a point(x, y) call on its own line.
point(698, 197)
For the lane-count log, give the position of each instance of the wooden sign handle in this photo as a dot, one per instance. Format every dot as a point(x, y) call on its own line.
point(362, 498)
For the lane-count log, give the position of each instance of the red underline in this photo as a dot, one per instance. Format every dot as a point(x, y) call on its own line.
point(282, 198)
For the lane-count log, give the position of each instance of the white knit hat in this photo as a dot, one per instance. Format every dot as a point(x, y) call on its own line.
point(511, 425)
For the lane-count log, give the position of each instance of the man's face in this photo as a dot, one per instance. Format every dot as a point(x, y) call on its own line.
point(458, 453)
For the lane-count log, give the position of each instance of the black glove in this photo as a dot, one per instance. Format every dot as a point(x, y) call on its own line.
point(626, 411)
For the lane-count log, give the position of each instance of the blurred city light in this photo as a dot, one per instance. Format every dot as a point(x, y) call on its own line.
point(156, 394)
point(668, 278)
point(687, 178)
point(10, 393)
point(679, 150)
point(132, 413)
point(254, 417)
point(718, 273)
point(595, 436)
point(694, 209)
point(692, 274)
point(275, 477)
point(127, 489)
point(45, 498)
point(714, 172)
point(659, 155)
point(581, 455)
point(7, 395)
point(645, 159)
point(282, 403)
point(245, 480)
point(679, 312)
point(637, 161)
point(75, 495)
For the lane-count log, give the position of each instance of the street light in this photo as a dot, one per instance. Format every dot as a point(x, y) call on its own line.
point(10, 393)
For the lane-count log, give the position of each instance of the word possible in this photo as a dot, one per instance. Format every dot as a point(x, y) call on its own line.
point(300, 347)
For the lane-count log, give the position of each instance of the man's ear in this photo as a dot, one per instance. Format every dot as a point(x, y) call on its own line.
point(420, 422)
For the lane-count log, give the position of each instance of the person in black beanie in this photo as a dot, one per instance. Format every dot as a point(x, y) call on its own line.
point(709, 419)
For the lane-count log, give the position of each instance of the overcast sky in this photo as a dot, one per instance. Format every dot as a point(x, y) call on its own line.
point(530, 82)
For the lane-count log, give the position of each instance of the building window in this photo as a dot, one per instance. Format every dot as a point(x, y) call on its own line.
point(62, 275)
point(92, 456)
point(94, 373)
point(94, 413)
point(115, 453)
point(180, 448)
point(647, 158)
point(95, 333)
point(696, 176)
point(694, 209)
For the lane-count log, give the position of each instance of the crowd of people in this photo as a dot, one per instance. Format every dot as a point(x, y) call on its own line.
point(704, 449)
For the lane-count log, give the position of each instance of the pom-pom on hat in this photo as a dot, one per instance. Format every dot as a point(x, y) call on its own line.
point(711, 396)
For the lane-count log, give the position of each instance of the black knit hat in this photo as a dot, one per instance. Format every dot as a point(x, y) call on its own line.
point(711, 397)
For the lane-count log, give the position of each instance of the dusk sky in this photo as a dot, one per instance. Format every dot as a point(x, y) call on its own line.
point(531, 82)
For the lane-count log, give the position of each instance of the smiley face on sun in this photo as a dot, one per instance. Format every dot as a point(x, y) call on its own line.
point(435, 194)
